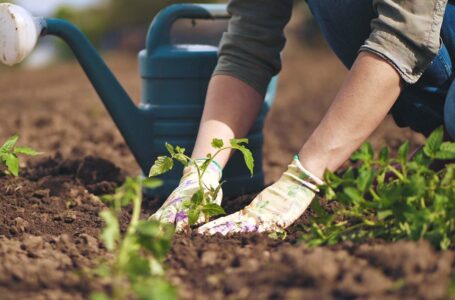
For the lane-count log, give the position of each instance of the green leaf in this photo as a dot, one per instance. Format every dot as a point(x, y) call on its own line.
point(151, 183)
point(8, 146)
point(27, 151)
point(217, 143)
point(332, 179)
point(403, 152)
point(365, 180)
point(214, 192)
point(193, 216)
point(449, 177)
point(434, 142)
point(111, 231)
point(353, 194)
point(238, 142)
point(12, 163)
point(154, 289)
point(384, 214)
point(181, 158)
point(187, 204)
point(102, 270)
point(137, 265)
point(247, 155)
point(446, 151)
point(365, 153)
point(180, 150)
point(197, 197)
point(205, 164)
point(212, 209)
point(162, 165)
point(384, 155)
point(170, 148)
point(155, 237)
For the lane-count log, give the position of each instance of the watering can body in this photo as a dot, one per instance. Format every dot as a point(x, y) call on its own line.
point(175, 80)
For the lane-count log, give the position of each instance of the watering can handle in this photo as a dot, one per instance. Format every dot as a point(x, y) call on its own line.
point(160, 29)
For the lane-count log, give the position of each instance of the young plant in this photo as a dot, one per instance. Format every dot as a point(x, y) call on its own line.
point(9, 155)
point(203, 200)
point(390, 198)
point(136, 270)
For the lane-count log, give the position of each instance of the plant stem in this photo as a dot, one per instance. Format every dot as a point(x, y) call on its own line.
point(396, 172)
point(213, 157)
point(123, 255)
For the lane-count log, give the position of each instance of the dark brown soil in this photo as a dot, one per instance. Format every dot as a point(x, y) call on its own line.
point(49, 222)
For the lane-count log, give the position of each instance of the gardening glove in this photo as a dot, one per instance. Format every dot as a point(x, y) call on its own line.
point(275, 208)
point(172, 210)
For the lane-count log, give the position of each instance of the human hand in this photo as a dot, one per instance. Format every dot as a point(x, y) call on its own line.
point(275, 208)
point(172, 210)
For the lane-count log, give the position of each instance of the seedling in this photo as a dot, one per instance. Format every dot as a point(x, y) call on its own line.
point(390, 198)
point(9, 155)
point(203, 200)
point(136, 270)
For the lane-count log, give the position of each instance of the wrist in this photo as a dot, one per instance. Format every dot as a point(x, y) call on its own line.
point(296, 174)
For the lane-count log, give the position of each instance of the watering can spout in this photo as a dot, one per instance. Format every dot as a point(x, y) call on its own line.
point(19, 32)
point(128, 118)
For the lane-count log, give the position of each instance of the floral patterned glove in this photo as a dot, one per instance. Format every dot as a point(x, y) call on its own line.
point(275, 208)
point(172, 211)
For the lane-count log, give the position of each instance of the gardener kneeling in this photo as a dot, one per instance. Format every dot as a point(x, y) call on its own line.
point(400, 58)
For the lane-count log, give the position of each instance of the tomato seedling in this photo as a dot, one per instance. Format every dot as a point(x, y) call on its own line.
point(390, 198)
point(136, 271)
point(9, 155)
point(203, 200)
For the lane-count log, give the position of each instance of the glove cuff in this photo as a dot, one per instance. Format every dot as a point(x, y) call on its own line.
point(298, 173)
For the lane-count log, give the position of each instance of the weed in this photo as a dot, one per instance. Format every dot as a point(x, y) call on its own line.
point(136, 270)
point(203, 200)
point(390, 198)
point(9, 155)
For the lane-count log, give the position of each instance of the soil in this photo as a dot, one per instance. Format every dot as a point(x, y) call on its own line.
point(49, 222)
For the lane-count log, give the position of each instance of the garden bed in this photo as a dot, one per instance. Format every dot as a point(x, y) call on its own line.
point(49, 229)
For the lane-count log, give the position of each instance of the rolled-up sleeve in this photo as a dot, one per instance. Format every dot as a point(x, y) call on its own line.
point(250, 49)
point(406, 34)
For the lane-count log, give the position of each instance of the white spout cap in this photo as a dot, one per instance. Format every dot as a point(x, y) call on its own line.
point(19, 32)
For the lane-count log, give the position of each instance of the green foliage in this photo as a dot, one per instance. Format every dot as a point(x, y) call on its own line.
point(203, 200)
point(9, 152)
point(136, 270)
point(390, 198)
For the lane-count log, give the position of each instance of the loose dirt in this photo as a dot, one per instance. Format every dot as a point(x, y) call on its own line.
point(49, 222)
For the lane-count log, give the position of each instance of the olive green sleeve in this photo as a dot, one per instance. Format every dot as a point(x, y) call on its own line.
point(250, 49)
point(406, 33)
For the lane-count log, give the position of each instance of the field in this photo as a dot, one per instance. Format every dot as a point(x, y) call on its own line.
point(49, 223)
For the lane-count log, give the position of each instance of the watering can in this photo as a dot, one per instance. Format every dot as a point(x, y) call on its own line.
point(175, 79)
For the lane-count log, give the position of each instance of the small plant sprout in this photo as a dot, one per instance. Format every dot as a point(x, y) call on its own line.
point(390, 198)
point(9, 155)
point(203, 200)
point(136, 270)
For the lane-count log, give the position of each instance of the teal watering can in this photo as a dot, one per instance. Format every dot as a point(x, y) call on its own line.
point(175, 79)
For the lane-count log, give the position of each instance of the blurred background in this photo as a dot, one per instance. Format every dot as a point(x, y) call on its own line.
point(120, 25)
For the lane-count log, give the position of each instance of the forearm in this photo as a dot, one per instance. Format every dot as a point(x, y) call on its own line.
point(363, 101)
point(230, 109)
